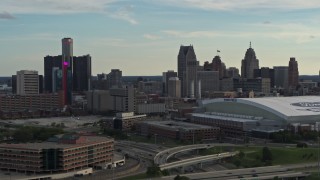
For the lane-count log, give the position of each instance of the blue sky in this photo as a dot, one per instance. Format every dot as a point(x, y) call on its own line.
point(142, 37)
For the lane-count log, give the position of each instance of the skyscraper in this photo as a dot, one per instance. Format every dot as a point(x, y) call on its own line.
point(81, 73)
point(67, 58)
point(293, 73)
point(218, 65)
point(265, 72)
point(281, 76)
point(249, 64)
point(51, 64)
point(187, 70)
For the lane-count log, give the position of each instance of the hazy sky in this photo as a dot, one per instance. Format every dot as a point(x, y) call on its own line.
point(142, 37)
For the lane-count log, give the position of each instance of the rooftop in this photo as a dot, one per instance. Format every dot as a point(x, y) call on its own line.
point(224, 117)
point(285, 107)
point(55, 145)
point(177, 125)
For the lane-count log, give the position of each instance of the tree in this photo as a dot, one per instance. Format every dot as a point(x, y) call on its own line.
point(237, 162)
point(23, 135)
point(241, 154)
point(154, 171)
point(178, 177)
point(266, 154)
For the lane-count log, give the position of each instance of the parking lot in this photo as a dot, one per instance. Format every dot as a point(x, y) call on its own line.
point(69, 122)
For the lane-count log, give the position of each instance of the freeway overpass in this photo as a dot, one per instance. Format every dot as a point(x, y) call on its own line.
point(196, 160)
point(163, 156)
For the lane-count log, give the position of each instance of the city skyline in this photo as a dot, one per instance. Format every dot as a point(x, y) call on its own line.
point(147, 34)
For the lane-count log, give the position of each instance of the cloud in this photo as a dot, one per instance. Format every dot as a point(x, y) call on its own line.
point(6, 15)
point(54, 6)
point(297, 33)
point(33, 37)
point(57, 7)
point(245, 5)
point(151, 37)
point(125, 13)
point(191, 34)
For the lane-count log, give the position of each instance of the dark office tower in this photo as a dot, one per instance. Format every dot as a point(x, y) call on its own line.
point(40, 84)
point(265, 72)
point(81, 73)
point(249, 64)
point(14, 84)
point(114, 79)
point(232, 72)
point(50, 64)
point(67, 56)
point(187, 60)
point(281, 77)
point(165, 80)
point(293, 73)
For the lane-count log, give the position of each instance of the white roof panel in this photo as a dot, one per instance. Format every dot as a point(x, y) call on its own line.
point(285, 107)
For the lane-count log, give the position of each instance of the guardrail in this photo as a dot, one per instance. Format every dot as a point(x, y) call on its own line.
point(197, 160)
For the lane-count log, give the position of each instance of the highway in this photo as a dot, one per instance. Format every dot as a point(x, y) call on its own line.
point(196, 160)
point(247, 173)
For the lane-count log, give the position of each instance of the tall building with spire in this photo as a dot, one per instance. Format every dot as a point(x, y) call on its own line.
point(187, 70)
point(293, 73)
point(67, 58)
point(249, 64)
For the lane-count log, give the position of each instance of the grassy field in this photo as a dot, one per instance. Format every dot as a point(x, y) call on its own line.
point(313, 176)
point(253, 155)
point(138, 176)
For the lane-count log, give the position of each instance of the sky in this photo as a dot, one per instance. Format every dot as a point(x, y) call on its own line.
point(143, 37)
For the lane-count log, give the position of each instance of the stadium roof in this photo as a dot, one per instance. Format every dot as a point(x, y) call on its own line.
point(288, 108)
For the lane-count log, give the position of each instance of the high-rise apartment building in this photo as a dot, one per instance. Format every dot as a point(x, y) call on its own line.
point(81, 73)
point(27, 82)
point(114, 78)
point(67, 59)
point(293, 73)
point(51, 65)
point(165, 80)
point(187, 70)
point(122, 99)
point(249, 64)
point(174, 87)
